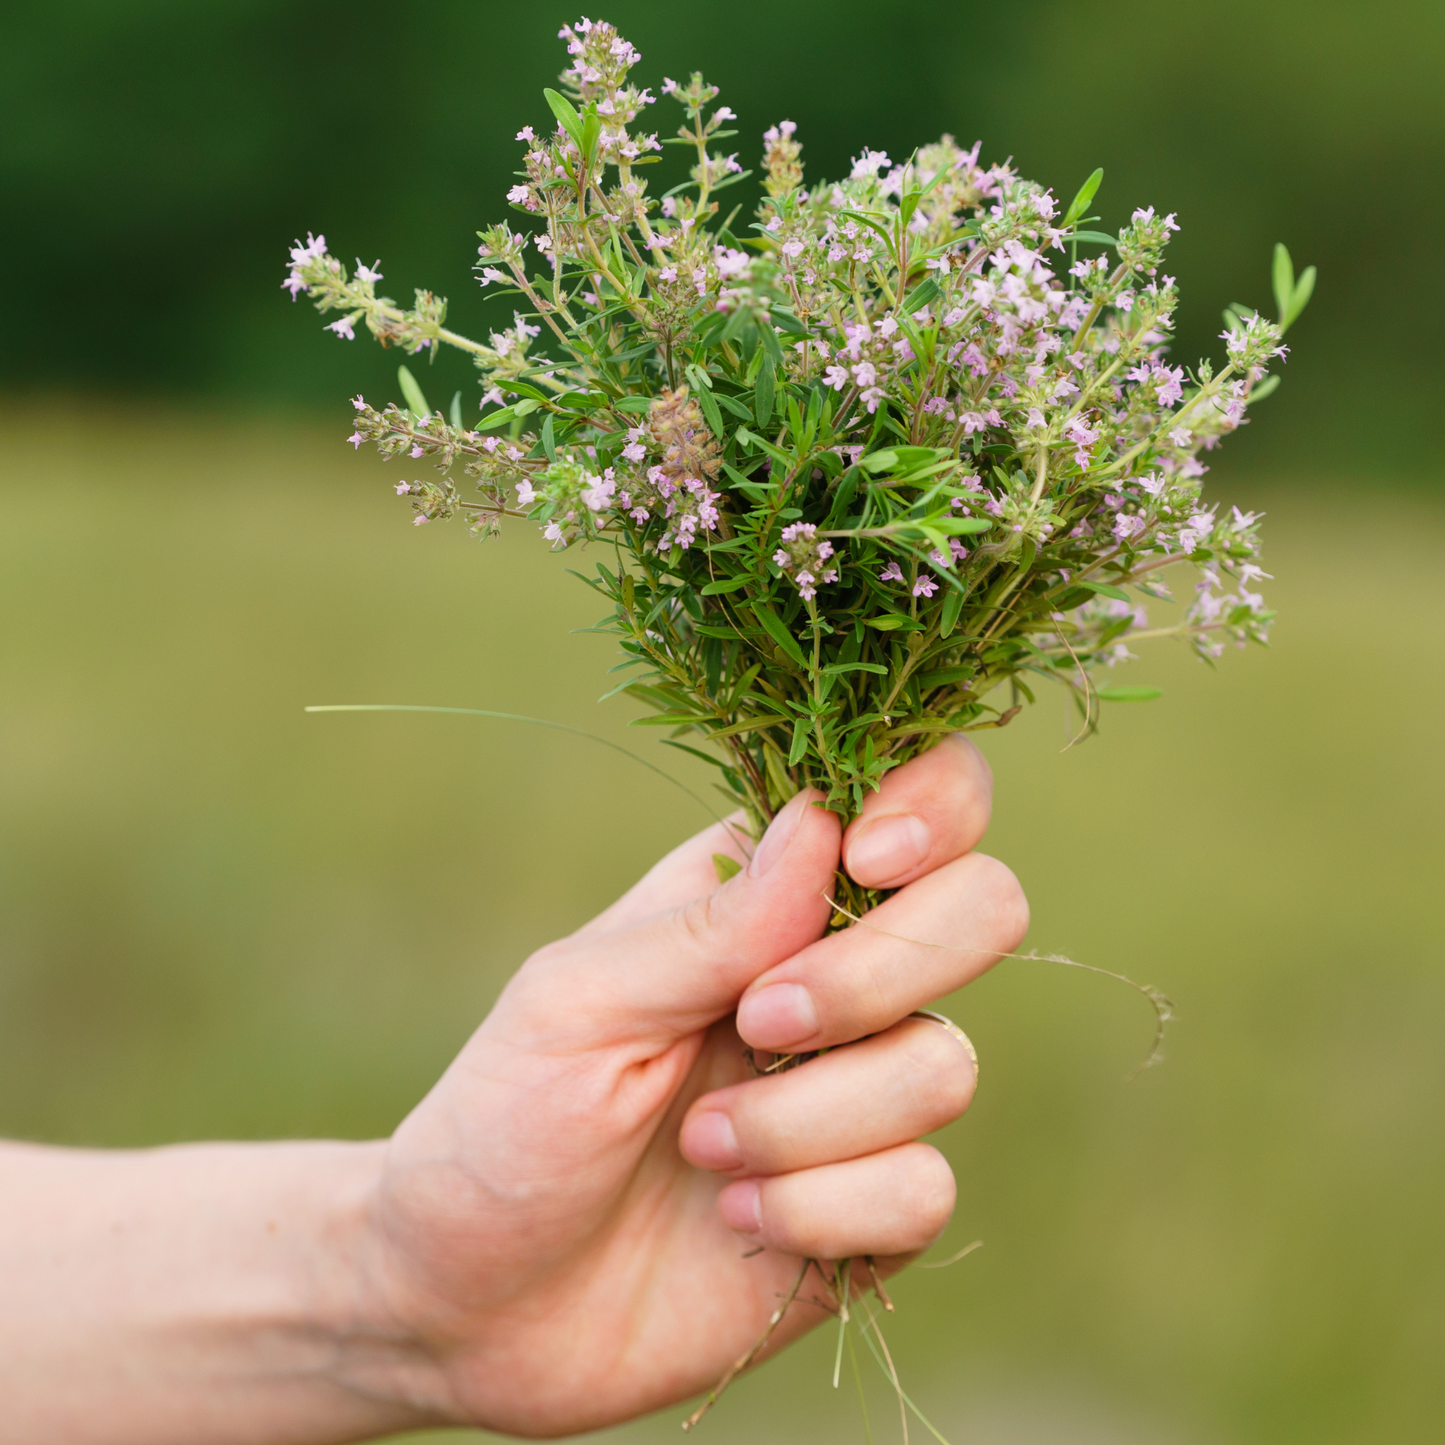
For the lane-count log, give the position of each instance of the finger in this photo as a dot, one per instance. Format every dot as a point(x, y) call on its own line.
point(889, 1203)
point(932, 937)
point(680, 970)
point(686, 873)
point(927, 812)
point(889, 1089)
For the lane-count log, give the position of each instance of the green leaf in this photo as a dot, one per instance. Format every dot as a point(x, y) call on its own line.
point(1102, 238)
point(800, 742)
point(778, 632)
point(501, 417)
point(726, 584)
point(1283, 280)
point(764, 391)
point(942, 676)
point(708, 403)
point(591, 131)
point(1085, 195)
point(748, 725)
point(725, 867)
point(879, 461)
point(456, 411)
point(877, 667)
point(549, 437)
point(1263, 390)
point(413, 394)
point(566, 113)
point(924, 294)
point(1130, 694)
point(735, 406)
point(952, 606)
point(1104, 589)
point(1304, 288)
point(636, 405)
point(893, 621)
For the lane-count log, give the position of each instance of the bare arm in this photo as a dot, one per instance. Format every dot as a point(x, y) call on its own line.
point(528, 1251)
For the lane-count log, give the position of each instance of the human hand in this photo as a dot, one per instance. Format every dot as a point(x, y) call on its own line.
point(557, 1240)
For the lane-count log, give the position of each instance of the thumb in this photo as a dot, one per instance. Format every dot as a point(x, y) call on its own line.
point(667, 976)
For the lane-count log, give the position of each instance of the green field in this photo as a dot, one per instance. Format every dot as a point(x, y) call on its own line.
point(220, 916)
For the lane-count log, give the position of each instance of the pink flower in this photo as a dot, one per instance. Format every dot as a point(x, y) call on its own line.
point(403, 489)
point(343, 328)
point(891, 573)
point(370, 274)
point(359, 403)
point(526, 495)
point(634, 451)
point(356, 439)
point(419, 520)
point(668, 273)
point(925, 586)
point(1169, 384)
point(836, 377)
point(1127, 526)
point(526, 133)
point(1036, 418)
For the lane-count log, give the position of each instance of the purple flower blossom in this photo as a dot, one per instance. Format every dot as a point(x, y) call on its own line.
point(925, 586)
point(891, 573)
point(356, 439)
point(343, 328)
point(404, 488)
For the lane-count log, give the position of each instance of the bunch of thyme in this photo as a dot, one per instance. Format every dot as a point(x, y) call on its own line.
point(901, 440)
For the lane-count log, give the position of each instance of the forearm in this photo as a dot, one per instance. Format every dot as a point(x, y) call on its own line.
point(210, 1293)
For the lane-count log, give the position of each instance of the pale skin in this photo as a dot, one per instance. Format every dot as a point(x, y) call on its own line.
point(555, 1239)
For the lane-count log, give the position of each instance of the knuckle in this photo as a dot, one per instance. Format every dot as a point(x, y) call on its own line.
point(1008, 904)
point(931, 1191)
point(940, 1073)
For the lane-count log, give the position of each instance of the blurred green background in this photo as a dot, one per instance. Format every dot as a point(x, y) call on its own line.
point(222, 917)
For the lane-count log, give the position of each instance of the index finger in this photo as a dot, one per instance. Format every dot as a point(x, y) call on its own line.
point(927, 813)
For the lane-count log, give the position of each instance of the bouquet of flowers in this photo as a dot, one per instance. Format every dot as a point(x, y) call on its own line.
point(865, 469)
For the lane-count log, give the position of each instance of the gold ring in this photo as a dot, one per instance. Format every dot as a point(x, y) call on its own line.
point(948, 1026)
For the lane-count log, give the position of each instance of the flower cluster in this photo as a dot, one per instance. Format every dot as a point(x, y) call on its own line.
point(874, 462)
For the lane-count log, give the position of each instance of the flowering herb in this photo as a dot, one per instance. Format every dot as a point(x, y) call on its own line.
point(903, 439)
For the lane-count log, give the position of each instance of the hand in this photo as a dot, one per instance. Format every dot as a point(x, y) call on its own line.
point(559, 1230)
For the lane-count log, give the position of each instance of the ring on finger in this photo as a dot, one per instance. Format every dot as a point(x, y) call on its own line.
point(949, 1027)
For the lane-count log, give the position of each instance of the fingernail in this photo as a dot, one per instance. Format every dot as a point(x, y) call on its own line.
point(741, 1206)
point(778, 1016)
point(711, 1142)
point(885, 847)
point(775, 841)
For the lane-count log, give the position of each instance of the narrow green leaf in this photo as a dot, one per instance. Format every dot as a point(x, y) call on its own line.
point(748, 725)
point(501, 417)
point(1101, 238)
point(415, 401)
point(726, 584)
point(708, 403)
point(1104, 589)
point(549, 437)
point(952, 606)
point(734, 405)
point(894, 622)
point(456, 411)
point(942, 676)
point(924, 294)
point(1268, 385)
point(636, 405)
point(879, 461)
point(1304, 288)
point(1283, 280)
point(800, 742)
point(877, 667)
point(1082, 199)
point(778, 632)
point(1130, 694)
point(764, 391)
point(566, 113)
point(725, 867)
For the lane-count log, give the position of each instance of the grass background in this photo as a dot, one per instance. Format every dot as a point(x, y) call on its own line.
point(221, 916)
